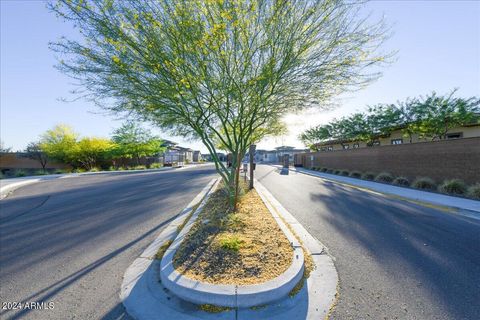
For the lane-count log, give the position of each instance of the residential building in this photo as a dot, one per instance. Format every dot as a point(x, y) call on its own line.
point(396, 137)
point(275, 156)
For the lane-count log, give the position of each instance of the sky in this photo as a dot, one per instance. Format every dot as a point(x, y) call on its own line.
point(438, 44)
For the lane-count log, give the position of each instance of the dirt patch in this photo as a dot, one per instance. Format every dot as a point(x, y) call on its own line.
point(243, 247)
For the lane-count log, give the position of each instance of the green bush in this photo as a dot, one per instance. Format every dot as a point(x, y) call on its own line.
point(231, 243)
point(368, 176)
point(329, 171)
point(140, 167)
point(384, 177)
point(20, 173)
point(424, 183)
point(156, 165)
point(314, 168)
point(76, 170)
point(337, 171)
point(2, 176)
point(356, 174)
point(94, 169)
point(59, 171)
point(323, 169)
point(401, 181)
point(39, 173)
point(454, 186)
point(345, 173)
point(474, 191)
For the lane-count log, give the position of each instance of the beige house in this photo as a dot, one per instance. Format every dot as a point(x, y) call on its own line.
point(398, 137)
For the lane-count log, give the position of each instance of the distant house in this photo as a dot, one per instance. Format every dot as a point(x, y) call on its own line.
point(176, 154)
point(275, 156)
point(394, 138)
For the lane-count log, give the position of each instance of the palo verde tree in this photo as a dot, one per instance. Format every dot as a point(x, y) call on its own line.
point(59, 144)
point(222, 71)
point(134, 141)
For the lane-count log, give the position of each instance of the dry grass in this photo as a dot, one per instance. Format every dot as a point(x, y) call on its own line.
point(244, 247)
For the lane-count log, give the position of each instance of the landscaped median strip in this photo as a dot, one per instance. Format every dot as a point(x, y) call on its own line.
point(145, 297)
point(230, 295)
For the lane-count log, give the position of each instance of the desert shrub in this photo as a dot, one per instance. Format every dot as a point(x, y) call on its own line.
point(337, 171)
point(384, 177)
point(401, 181)
point(156, 165)
point(453, 186)
point(20, 173)
point(355, 174)
point(345, 173)
point(474, 191)
point(424, 183)
point(231, 243)
point(139, 167)
point(368, 176)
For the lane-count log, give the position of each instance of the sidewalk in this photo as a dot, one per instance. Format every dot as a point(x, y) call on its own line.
point(406, 193)
point(9, 185)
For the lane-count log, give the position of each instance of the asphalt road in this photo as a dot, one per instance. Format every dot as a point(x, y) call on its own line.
point(70, 240)
point(395, 260)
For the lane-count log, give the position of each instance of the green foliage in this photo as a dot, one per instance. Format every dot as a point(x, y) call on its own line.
point(59, 171)
point(59, 143)
point(336, 171)
point(39, 173)
point(356, 174)
point(453, 186)
point(139, 167)
point(368, 176)
point(231, 243)
point(384, 177)
point(2, 176)
point(94, 169)
point(20, 173)
point(133, 141)
point(223, 72)
point(424, 183)
point(90, 151)
point(401, 181)
point(345, 173)
point(474, 191)
point(430, 117)
point(156, 165)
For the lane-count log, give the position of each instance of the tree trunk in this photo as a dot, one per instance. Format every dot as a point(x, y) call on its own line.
point(237, 182)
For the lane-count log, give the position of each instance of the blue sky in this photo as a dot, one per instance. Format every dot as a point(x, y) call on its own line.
point(438, 44)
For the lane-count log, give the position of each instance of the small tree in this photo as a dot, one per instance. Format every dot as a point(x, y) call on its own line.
point(35, 152)
point(59, 143)
point(219, 71)
point(438, 114)
point(134, 141)
point(90, 151)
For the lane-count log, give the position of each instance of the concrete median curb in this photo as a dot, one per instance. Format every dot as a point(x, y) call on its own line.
point(233, 296)
point(145, 297)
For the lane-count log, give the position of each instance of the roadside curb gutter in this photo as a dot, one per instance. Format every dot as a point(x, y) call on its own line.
point(448, 203)
point(145, 296)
